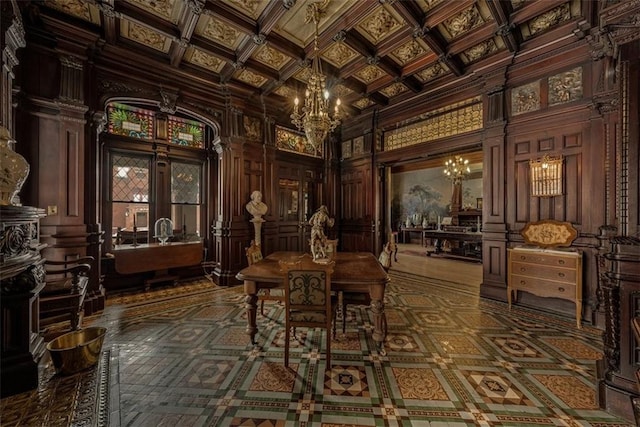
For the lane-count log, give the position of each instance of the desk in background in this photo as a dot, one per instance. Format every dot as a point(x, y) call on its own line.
point(353, 272)
point(157, 258)
point(408, 231)
point(469, 244)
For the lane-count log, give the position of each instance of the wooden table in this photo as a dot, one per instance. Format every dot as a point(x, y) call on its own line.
point(456, 236)
point(156, 257)
point(353, 272)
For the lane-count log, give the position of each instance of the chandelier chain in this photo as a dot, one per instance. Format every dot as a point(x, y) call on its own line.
point(314, 118)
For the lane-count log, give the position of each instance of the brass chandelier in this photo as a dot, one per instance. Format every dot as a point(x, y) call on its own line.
point(315, 119)
point(457, 169)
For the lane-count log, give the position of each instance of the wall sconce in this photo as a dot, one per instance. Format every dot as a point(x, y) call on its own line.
point(546, 176)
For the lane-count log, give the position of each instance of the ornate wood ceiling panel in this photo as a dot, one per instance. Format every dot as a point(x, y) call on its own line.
point(373, 52)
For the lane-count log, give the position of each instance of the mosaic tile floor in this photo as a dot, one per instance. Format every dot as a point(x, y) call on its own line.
point(452, 360)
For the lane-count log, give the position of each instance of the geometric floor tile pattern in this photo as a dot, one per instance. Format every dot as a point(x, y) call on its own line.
point(452, 359)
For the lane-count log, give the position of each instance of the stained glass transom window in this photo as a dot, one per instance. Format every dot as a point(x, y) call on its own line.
point(130, 179)
point(287, 140)
point(130, 121)
point(187, 133)
point(185, 183)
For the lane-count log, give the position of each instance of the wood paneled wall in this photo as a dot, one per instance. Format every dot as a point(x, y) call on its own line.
point(597, 136)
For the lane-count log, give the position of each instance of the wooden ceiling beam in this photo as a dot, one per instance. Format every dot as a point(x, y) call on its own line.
point(410, 12)
point(345, 22)
point(109, 21)
point(471, 38)
point(437, 45)
point(146, 19)
point(213, 48)
point(188, 21)
point(412, 83)
point(221, 11)
point(500, 11)
point(357, 42)
point(532, 9)
point(285, 46)
point(445, 11)
point(270, 16)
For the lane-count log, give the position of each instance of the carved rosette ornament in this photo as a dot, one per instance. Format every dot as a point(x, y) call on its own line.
point(15, 240)
point(28, 280)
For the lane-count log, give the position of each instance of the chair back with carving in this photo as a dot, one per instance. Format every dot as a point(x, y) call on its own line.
point(62, 297)
point(308, 299)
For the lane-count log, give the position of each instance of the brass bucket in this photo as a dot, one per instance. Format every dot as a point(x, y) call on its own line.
point(76, 351)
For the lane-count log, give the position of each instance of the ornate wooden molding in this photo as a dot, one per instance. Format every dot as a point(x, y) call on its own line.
point(622, 21)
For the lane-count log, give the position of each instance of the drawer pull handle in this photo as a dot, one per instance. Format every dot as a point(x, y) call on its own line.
point(561, 261)
point(561, 289)
point(523, 269)
point(523, 282)
point(522, 257)
point(560, 274)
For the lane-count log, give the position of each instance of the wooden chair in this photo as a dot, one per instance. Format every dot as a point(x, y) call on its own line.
point(62, 297)
point(254, 254)
point(358, 298)
point(309, 302)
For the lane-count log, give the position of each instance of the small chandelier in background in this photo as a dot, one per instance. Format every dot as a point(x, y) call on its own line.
point(315, 119)
point(457, 169)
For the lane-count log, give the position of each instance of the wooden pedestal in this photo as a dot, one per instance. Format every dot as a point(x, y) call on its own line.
point(21, 279)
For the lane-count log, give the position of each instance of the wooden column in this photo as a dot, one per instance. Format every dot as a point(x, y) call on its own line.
point(11, 38)
point(229, 229)
point(494, 228)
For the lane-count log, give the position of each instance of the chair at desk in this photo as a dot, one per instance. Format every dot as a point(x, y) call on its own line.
point(254, 254)
point(308, 299)
point(62, 297)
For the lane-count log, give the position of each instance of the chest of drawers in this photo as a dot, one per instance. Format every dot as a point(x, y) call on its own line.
point(546, 273)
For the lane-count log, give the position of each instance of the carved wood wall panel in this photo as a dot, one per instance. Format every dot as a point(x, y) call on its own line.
point(74, 173)
point(568, 140)
point(493, 185)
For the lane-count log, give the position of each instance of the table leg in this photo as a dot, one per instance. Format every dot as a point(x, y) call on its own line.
point(379, 324)
point(251, 305)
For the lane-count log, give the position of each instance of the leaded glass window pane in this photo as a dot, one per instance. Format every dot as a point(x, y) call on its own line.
point(185, 183)
point(130, 121)
point(130, 179)
point(130, 184)
point(187, 133)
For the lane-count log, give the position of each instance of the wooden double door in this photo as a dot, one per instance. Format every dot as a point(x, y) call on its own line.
point(298, 190)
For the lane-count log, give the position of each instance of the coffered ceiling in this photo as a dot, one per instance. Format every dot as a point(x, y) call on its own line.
point(373, 51)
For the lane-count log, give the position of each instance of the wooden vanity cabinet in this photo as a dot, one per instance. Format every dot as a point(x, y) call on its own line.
point(546, 273)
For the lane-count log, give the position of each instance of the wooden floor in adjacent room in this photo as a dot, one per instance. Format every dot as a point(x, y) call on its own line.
point(412, 258)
